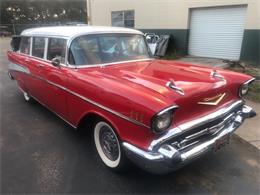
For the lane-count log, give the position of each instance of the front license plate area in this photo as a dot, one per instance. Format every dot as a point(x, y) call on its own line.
point(221, 142)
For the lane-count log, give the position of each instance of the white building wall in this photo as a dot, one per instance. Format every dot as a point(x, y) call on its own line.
point(165, 14)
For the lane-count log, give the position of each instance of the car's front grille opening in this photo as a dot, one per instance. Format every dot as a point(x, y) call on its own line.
point(203, 132)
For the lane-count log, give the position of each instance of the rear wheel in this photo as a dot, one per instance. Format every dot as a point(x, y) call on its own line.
point(108, 147)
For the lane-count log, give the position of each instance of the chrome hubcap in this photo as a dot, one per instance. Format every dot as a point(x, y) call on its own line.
point(109, 143)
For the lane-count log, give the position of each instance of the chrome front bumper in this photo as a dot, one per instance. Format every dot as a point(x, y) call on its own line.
point(188, 141)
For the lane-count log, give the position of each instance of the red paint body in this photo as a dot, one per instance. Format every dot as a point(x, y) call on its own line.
point(135, 89)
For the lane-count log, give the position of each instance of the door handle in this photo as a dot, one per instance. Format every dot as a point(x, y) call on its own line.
point(27, 60)
point(40, 65)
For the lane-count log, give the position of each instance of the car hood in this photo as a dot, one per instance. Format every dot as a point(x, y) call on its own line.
point(150, 77)
point(155, 74)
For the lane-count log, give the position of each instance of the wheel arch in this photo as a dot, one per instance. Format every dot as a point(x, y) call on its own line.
point(89, 119)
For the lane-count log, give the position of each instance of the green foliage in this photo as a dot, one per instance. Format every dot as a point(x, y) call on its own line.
point(42, 11)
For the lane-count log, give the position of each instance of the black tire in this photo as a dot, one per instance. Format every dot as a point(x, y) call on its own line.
point(108, 147)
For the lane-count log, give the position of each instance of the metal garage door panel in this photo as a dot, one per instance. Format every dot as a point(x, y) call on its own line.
point(217, 32)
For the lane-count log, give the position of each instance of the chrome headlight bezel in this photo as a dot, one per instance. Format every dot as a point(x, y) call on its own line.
point(164, 116)
point(243, 89)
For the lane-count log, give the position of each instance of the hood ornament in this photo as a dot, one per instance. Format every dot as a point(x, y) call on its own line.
point(215, 74)
point(172, 85)
point(213, 101)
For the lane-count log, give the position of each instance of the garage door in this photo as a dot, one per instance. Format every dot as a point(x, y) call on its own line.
point(217, 32)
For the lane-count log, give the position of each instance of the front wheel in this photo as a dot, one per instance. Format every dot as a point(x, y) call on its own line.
point(108, 147)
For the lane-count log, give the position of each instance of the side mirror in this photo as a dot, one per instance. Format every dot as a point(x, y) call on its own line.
point(55, 62)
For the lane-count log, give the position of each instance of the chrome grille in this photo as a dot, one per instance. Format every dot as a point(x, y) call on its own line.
point(199, 134)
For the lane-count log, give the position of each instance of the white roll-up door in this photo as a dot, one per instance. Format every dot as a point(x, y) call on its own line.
point(217, 32)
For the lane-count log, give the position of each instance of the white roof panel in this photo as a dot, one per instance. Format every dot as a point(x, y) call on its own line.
point(71, 31)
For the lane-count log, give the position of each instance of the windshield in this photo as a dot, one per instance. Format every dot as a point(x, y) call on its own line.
point(107, 48)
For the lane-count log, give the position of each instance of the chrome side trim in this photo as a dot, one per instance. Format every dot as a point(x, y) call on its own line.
point(107, 109)
point(86, 99)
point(55, 84)
point(18, 67)
point(193, 124)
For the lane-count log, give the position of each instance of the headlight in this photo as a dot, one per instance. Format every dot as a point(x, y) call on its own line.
point(163, 120)
point(243, 90)
point(244, 87)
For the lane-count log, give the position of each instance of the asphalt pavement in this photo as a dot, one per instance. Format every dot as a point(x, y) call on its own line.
point(42, 154)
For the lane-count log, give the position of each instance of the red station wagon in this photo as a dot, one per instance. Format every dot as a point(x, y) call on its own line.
point(159, 114)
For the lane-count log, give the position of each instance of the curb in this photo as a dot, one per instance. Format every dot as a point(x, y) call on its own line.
point(241, 140)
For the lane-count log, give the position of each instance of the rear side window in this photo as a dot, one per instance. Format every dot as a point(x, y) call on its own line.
point(38, 47)
point(56, 49)
point(25, 45)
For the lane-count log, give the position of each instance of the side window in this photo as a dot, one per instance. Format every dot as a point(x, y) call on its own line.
point(56, 49)
point(25, 45)
point(38, 47)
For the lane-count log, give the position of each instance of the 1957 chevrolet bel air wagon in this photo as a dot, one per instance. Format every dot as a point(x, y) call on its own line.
point(159, 114)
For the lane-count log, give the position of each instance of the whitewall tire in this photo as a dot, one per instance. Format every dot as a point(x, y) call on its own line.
point(108, 146)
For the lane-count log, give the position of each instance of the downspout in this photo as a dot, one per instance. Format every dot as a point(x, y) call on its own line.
point(89, 18)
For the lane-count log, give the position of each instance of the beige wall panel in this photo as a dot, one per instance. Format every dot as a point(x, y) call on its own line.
point(166, 14)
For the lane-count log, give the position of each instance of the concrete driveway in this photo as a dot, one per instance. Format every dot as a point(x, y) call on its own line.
point(41, 154)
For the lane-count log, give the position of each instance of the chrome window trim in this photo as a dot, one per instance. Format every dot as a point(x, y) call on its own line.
point(68, 42)
point(31, 45)
point(45, 48)
point(32, 38)
point(65, 60)
point(45, 59)
point(103, 64)
point(107, 64)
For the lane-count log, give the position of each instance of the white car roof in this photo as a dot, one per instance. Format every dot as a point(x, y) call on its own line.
point(72, 31)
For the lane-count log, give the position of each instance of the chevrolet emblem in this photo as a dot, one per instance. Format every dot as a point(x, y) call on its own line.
point(213, 101)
